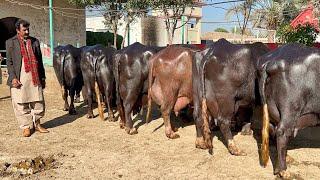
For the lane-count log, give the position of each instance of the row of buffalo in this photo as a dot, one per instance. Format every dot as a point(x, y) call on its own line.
point(223, 84)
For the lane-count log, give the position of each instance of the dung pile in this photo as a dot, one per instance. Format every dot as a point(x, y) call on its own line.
point(28, 166)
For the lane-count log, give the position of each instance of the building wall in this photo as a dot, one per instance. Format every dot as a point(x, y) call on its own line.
point(191, 35)
point(96, 24)
point(151, 30)
point(67, 30)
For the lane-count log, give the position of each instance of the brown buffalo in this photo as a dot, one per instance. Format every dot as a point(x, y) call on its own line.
point(170, 83)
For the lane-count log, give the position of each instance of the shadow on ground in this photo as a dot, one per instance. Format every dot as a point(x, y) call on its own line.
point(66, 118)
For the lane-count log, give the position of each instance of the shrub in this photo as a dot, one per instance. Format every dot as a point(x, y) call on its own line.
point(304, 34)
point(104, 38)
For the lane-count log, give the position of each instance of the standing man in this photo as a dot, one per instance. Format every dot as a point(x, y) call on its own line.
point(26, 79)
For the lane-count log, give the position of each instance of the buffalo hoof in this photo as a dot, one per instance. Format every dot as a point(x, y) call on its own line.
point(122, 126)
point(173, 135)
point(234, 150)
point(285, 174)
point(174, 129)
point(131, 131)
point(289, 159)
point(90, 116)
point(246, 130)
point(112, 119)
point(72, 112)
point(200, 144)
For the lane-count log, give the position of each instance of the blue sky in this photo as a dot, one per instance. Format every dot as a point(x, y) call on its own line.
point(216, 14)
point(213, 13)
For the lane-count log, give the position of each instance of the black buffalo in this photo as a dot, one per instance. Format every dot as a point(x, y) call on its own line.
point(290, 94)
point(224, 77)
point(66, 64)
point(96, 66)
point(131, 67)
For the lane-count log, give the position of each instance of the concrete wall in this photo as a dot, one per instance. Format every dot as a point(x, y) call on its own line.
point(188, 34)
point(96, 24)
point(67, 30)
point(151, 30)
point(154, 32)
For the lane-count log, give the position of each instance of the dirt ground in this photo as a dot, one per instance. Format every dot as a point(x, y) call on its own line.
point(94, 149)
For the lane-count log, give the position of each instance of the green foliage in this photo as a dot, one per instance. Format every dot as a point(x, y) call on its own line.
point(169, 3)
point(221, 30)
point(84, 3)
point(235, 30)
point(304, 34)
point(114, 10)
point(137, 4)
point(172, 10)
point(104, 38)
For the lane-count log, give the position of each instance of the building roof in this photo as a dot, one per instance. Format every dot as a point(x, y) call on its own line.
point(306, 17)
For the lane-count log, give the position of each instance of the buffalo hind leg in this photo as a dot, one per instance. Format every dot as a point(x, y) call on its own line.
point(169, 128)
point(122, 121)
point(77, 98)
point(111, 117)
point(232, 147)
point(64, 92)
point(284, 132)
point(244, 120)
point(246, 129)
point(200, 143)
point(89, 99)
point(127, 112)
point(107, 100)
point(72, 110)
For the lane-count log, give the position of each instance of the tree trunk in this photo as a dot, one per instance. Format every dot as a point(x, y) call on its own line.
point(115, 31)
point(115, 38)
point(172, 33)
point(169, 38)
point(125, 34)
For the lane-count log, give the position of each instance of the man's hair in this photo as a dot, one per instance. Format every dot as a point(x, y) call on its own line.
point(22, 22)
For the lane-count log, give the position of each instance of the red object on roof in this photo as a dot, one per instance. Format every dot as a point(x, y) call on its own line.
point(306, 17)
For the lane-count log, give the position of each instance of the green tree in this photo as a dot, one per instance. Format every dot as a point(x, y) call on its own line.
point(172, 11)
point(132, 10)
point(221, 30)
point(104, 38)
point(114, 10)
point(84, 3)
point(242, 11)
point(270, 14)
point(304, 34)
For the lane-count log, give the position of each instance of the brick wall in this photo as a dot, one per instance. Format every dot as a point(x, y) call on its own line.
point(67, 30)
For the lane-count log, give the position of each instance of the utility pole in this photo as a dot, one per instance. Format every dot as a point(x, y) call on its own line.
point(51, 31)
point(182, 30)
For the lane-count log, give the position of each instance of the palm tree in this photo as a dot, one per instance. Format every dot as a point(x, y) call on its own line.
point(269, 14)
point(243, 12)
